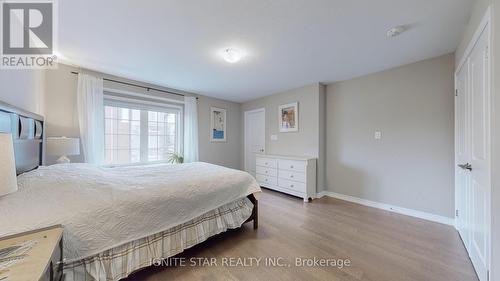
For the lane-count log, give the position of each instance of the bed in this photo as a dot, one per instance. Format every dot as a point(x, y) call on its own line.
point(117, 219)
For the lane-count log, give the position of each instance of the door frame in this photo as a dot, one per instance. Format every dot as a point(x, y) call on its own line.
point(485, 22)
point(245, 156)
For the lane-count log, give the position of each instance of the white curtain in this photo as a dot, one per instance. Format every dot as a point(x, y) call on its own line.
point(90, 99)
point(190, 129)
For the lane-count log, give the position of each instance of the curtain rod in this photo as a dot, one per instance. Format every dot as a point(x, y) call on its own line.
point(139, 86)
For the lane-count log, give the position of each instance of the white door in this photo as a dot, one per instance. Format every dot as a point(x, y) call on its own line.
point(480, 154)
point(255, 137)
point(462, 153)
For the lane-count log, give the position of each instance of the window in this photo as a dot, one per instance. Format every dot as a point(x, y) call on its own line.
point(140, 133)
point(162, 132)
point(122, 129)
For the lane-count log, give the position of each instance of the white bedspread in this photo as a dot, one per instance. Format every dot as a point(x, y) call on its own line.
point(103, 207)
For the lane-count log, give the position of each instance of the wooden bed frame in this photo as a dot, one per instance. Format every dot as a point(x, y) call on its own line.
point(28, 134)
point(255, 212)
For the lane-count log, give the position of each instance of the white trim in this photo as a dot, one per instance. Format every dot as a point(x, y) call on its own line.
point(139, 95)
point(263, 109)
point(486, 20)
point(255, 110)
point(387, 207)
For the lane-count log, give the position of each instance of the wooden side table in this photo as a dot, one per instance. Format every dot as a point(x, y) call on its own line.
point(42, 262)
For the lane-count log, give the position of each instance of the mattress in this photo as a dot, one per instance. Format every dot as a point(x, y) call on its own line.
point(105, 207)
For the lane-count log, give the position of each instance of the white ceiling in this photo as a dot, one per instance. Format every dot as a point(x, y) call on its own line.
point(290, 43)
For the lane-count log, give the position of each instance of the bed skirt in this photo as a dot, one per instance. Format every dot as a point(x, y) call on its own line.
point(121, 261)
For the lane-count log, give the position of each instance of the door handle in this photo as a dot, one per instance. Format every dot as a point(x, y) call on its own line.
point(466, 166)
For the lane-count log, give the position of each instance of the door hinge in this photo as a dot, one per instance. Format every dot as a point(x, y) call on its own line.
point(456, 93)
point(456, 213)
point(488, 275)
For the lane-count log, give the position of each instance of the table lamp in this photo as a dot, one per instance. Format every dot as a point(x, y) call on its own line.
point(63, 147)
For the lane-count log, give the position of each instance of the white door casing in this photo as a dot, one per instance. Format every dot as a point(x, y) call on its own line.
point(255, 137)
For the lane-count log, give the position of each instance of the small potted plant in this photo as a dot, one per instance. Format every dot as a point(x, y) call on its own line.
point(175, 158)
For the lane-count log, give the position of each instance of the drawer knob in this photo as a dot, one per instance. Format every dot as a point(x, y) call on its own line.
point(267, 163)
point(266, 179)
point(291, 176)
point(266, 172)
point(291, 185)
point(291, 167)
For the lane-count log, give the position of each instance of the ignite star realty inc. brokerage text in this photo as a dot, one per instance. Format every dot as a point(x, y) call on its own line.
point(252, 262)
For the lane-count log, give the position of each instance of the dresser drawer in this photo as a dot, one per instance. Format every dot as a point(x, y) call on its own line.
point(297, 186)
point(267, 171)
point(266, 162)
point(292, 165)
point(267, 180)
point(293, 176)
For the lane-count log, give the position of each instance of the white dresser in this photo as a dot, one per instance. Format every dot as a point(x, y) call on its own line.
point(291, 175)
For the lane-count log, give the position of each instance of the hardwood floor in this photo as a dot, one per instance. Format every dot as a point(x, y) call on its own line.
point(380, 246)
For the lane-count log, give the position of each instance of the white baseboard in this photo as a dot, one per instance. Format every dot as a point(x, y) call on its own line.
point(387, 207)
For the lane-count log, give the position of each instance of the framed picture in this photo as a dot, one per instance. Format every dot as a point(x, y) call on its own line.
point(289, 117)
point(218, 122)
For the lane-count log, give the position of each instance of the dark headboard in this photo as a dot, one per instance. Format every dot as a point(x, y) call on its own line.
point(27, 131)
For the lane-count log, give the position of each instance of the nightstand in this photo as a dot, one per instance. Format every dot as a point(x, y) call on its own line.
point(43, 261)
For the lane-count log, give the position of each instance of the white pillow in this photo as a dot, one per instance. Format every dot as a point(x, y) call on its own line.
point(8, 178)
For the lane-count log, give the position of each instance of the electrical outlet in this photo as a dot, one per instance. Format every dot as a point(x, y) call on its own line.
point(378, 135)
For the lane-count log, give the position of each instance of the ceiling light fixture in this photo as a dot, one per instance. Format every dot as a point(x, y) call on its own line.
point(232, 55)
point(395, 31)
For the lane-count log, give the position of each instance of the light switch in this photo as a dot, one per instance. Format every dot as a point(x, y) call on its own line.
point(378, 135)
point(274, 137)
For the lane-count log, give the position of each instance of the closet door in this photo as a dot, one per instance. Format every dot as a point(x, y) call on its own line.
point(479, 168)
point(462, 154)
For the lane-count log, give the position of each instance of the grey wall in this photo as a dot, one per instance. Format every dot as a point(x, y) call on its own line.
point(307, 141)
point(62, 118)
point(23, 88)
point(321, 179)
point(222, 153)
point(412, 166)
point(301, 143)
